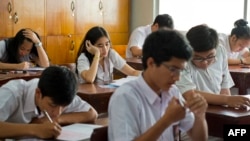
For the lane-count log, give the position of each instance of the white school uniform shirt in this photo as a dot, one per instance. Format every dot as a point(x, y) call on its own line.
point(224, 42)
point(3, 52)
point(17, 102)
point(114, 60)
point(212, 79)
point(137, 38)
point(135, 107)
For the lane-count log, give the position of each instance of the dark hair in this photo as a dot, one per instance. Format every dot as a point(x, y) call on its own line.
point(13, 44)
point(164, 20)
point(58, 83)
point(162, 45)
point(241, 30)
point(202, 38)
point(92, 35)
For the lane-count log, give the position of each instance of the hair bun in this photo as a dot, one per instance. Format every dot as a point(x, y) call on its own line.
point(240, 22)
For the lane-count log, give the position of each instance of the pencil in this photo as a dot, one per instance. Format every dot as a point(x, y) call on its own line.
point(47, 115)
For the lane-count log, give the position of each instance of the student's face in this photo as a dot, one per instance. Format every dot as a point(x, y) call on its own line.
point(103, 44)
point(46, 103)
point(25, 48)
point(238, 45)
point(203, 59)
point(162, 77)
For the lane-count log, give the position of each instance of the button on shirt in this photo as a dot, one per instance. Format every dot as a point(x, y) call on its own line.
point(17, 102)
point(135, 107)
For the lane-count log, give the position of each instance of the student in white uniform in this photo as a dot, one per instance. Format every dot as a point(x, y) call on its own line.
point(96, 58)
point(21, 51)
point(237, 43)
point(207, 72)
point(136, 40)
point(151, 107)
point(22, 105)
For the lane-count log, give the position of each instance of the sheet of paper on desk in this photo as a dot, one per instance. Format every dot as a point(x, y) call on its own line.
point(77, 132)
point(35, 69)
point(121, 81)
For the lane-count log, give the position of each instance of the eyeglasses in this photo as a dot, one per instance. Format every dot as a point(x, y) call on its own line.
point(208, 59)
point(174, 70)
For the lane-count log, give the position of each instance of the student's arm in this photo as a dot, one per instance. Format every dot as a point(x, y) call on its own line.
point(126, 69)
point(20, 66)
point(90, 74)
point(78, 117)
point(15, 130)
point(198, 105)
point(136, 51)
point(42, 60)
point(218, 99)
point(225, 92)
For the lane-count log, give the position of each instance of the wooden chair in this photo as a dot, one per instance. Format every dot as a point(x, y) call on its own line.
point(100, 134)
point(121, 49)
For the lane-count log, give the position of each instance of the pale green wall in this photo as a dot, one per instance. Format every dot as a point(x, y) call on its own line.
point(142, 12)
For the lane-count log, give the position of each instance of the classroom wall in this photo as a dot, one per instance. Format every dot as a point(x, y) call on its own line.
point(142, 12)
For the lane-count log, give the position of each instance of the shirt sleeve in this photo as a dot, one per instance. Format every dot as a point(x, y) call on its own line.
point(122, 120)
point(136, 39)
point(116, 59)
point(185, 82)
point(8, 104)
point(77, 105)
point(227, 81)
point(2, 49)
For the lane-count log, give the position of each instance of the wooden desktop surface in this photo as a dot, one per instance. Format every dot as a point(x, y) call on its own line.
point(218, 116)
point(96, 96)
point(26, 76)
point(241, 78)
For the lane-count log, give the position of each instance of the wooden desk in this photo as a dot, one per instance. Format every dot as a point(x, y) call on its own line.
point(96, 96)
point(218, 116)
point(26, 76)
point(241, 78)
point(136, 63)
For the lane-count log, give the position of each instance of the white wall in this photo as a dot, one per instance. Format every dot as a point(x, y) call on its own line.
point(142, 12)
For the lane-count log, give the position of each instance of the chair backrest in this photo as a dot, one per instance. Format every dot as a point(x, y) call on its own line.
point(100, 134)
point(121, 49)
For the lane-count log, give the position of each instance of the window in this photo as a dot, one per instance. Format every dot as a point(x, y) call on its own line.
point(218, 14)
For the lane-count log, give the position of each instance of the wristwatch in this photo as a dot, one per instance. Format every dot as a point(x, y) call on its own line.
point(39, 44)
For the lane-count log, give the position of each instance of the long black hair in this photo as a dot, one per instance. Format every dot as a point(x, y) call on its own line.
point(92, 35)
point(13, 44)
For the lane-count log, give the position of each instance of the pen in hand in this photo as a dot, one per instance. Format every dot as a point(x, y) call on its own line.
point(47, 115)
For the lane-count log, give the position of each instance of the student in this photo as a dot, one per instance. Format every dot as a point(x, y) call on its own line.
point(96, 58)
point(150, 107)
point(18, 52)
point(134, 48)
point(207, 72)
point(22, 105)
point(237, 43)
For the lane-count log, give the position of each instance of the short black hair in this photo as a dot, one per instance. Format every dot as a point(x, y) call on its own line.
point(58, 83)
point(162, 45)
point(202, 38)
point(164, 20)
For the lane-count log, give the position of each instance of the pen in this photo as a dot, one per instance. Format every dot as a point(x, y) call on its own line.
point(47, 115)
